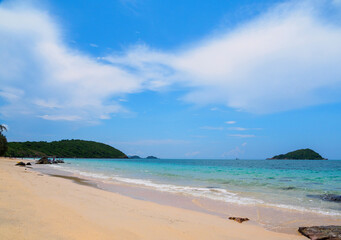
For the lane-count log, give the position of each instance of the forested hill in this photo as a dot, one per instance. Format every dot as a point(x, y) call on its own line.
point(64, 149)
point(303, 154)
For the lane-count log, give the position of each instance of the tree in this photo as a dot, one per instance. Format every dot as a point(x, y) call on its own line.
point(3, 141)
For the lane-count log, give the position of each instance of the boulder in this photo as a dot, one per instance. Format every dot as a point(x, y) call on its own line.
point(57, 161)
point(28, 163)
point(321, 232)
point(22, 164)
point(239, 219)
point(43, 160)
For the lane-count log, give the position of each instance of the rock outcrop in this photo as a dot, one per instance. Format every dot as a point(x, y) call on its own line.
point(321, 232)
point(44, 160)
point(22, 164)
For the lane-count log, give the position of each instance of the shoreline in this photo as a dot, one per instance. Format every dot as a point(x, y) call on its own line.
point(37, 206)
point(273, 218)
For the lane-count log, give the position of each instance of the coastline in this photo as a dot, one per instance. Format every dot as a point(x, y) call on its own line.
point(35, 205)
point(284, 218)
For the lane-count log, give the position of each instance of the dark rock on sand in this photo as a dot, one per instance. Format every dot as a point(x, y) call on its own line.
point(43, 160)
point(239, 219)
point(20, 164)
point(327, 197)
point(321, 232)
point(28, 163)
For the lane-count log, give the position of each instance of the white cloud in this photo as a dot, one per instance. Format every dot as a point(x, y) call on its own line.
point(93, 45)
point(238, 129)
point(235, 152)
point(230, 122)
point(42, 76)
point(242, 135)
point(60, 118)
point(243, 129)
point(288, 58)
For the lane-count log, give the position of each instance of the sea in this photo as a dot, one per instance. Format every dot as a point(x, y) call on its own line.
point(302, 185)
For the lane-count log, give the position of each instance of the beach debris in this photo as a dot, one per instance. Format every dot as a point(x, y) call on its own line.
point(44, 160)
point(327, 197)
point(20, 164)
point(239, 219)
point(321, 232)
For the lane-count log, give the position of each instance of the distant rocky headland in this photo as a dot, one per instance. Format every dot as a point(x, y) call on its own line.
point(301, 154)
point(63, 149)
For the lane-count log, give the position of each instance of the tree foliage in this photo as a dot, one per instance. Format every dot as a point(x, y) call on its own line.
point(3, 141)
point(3, 145)
point(64, 149)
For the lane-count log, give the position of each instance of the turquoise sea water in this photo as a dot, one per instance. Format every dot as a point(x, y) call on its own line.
point(291, 184)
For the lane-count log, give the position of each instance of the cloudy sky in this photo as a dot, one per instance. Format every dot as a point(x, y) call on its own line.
point(175, 79)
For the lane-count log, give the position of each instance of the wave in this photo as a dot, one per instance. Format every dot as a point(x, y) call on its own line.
point(213, 193)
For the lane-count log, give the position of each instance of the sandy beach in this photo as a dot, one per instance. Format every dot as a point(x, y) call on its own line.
point(37, 206)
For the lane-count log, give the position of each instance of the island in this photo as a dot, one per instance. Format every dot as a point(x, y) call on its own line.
point(301, 154)
point(151, 157)
point(134, 157)
point(63, 149)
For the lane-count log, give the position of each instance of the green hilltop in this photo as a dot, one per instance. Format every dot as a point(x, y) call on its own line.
point(64, 149)
point(301, 154)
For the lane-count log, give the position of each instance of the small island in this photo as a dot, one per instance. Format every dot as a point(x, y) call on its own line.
point(301, 154)
point(151, 157)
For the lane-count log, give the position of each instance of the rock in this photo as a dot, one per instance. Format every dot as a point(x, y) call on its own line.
point(327, 197)
point(43, 160)
point(28, 163)
point(20, 164)
point(321, 232)
point(239, 219)
point(57, 161)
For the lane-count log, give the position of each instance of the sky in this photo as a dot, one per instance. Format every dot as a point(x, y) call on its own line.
point(174, 79)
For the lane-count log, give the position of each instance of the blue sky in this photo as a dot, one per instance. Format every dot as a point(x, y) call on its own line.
point(174, 79)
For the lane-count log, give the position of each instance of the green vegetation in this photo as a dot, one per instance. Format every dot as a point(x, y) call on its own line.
point(302, 154)
point(63, 149)
point(3, 141)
